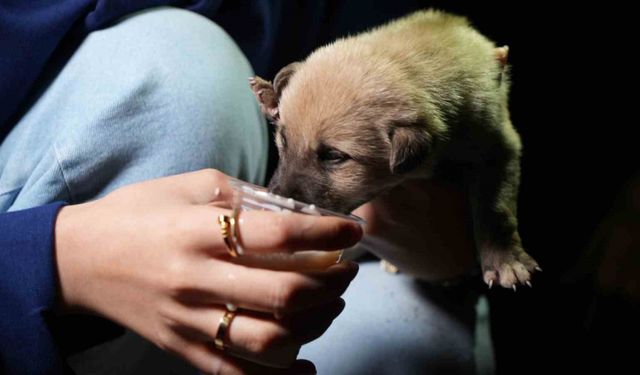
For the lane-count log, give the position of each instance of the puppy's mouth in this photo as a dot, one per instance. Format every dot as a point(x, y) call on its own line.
point(343, 206)
point(320, 193)
point(323, 200)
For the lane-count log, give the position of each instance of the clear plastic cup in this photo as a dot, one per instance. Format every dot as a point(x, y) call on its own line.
point(248, 197)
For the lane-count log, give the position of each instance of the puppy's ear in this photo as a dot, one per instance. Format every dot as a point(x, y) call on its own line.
point(268, 94)
point(409, 148)
point(502, 55)
point(264, 92)
point(283, 76)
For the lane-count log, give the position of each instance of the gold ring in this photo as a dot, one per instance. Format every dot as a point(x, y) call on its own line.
point(223, 327)
point(228, 228)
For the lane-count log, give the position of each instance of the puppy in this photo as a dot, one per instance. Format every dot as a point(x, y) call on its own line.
point(424, 96)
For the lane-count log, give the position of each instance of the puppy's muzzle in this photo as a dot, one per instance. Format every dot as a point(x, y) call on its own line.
point(298, 186)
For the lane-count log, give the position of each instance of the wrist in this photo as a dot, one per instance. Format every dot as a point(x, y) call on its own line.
point(70, 257)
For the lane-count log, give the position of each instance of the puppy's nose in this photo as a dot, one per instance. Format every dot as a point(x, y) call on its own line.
point(288, 190)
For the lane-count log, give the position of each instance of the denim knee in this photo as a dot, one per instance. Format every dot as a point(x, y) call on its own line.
point(161, 92)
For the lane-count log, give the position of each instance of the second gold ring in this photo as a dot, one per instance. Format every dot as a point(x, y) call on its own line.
point(223, 327)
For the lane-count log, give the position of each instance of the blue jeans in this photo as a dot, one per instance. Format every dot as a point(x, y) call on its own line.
point(160, 93)
point(163, 92)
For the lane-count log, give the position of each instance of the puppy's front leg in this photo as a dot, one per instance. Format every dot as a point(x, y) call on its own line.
point(493, 194)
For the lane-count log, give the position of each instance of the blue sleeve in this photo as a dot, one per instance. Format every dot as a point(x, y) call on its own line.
point(28, 288)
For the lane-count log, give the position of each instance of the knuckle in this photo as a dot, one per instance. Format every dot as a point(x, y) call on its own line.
point(166, 341)
point(168, 314)
point(181, 232)
point(281, 233)
point(178, 278)
point(285, 294)
point(224, 368)
point(270, 339)
point(218, 368)
point(175, 229)
point(213, 175)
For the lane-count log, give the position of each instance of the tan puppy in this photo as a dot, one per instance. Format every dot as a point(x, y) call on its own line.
point(421, 97)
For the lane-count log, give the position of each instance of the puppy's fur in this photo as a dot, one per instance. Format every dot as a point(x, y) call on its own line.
point(421, 97)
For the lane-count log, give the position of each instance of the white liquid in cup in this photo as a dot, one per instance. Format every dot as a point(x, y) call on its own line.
point(248, 197)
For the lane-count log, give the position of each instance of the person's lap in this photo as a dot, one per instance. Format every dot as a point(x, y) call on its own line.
point(393, 324)
point(165, 92)
point(160, 93)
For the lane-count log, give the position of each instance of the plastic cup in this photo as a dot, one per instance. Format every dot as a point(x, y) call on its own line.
point(248, 197)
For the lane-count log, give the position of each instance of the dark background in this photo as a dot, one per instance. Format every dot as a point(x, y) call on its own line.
point(579, 153)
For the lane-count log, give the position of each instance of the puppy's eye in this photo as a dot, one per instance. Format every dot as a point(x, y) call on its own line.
point(332, 156)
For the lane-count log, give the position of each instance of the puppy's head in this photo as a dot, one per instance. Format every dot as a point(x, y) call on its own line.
point(345, 133)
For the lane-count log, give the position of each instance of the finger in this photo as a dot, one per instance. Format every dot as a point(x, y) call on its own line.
point(276, 292)
point(262, 231)
point(209, 360)
point(307, 325)
point(258, 337)
point(261, 339)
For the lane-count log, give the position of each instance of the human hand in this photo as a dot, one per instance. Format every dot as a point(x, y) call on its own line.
point(423, 228)
point(151, 257)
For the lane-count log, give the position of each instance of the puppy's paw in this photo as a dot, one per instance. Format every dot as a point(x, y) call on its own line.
point(507, 267)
